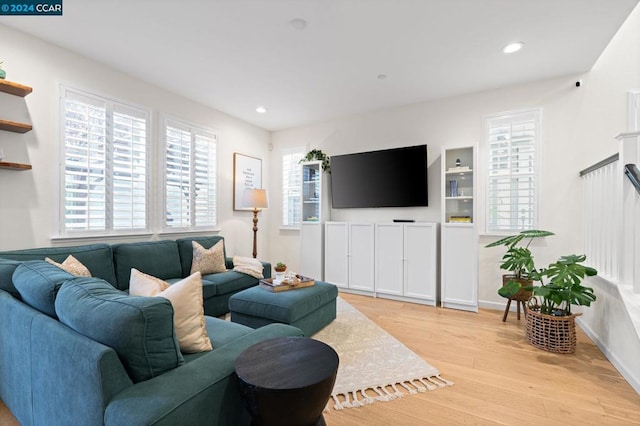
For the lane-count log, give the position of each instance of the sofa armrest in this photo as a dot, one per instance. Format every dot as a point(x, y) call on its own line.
point(75, 376)
point(204, 391)
point(266, 269)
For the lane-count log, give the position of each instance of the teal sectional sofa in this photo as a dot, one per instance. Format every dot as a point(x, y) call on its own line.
point(55, 371)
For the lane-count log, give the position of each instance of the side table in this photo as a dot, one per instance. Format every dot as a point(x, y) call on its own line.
point(287, 380)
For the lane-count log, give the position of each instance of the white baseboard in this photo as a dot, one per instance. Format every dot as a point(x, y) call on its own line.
point(631, 375)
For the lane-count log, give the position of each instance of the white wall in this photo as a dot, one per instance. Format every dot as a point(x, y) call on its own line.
point(28, 203)
point(578, 129)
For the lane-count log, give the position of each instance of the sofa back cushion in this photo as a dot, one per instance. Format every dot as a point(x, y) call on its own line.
point(7, 268)
point(139, 329)
point(186, 250)
point(38, 283)
point(98, 258)
point(157, 258)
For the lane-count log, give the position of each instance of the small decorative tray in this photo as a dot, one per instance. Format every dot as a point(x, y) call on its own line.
point(299, 281)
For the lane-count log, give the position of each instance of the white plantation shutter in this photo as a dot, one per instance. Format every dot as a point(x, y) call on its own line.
point(291, 186)
point(512, 141)
point(190, 166)
point(129, 169)
point(105, 164)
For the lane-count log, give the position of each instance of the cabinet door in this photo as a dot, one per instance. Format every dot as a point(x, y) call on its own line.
point(311, 250)
point(420, 247)
point(336, 250)
point(459, 267)
point(389, 258)
point(361, 257)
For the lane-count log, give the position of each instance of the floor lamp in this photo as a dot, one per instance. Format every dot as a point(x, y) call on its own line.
point(256, 199)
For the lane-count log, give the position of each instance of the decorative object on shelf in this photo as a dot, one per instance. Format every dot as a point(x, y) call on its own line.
point(453, 188)
point(3, 73)
point(292, 282)
point(280, 268)
point(550, 323)
point(247, 174)
point(316, 154)
point(458, 162)
point(256, 199)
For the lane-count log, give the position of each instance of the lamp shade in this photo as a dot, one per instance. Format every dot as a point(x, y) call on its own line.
point(255, 199)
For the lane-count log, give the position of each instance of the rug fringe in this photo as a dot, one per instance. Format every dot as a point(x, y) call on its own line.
point(411, 387)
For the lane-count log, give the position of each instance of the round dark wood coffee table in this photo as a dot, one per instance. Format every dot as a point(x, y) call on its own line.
point(287, 380)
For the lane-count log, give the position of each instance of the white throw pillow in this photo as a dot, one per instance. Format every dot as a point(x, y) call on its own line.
point(188, 309)
point(72, 266)
point(208, 261)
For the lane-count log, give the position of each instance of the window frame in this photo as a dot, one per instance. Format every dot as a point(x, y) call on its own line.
point(110, 102)
point(284, 152)
point(537, 115)
point(168, 120)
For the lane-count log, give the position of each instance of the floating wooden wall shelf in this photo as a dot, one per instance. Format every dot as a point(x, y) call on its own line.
point(14, 166)
point(14, 126)
point(14, 88)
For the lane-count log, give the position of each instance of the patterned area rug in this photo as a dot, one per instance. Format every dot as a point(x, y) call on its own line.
point(374, 366)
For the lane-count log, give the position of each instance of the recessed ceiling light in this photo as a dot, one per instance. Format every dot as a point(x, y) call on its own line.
point(382, 76)
point(261, 110)
point(513, 47)
point(298, 23)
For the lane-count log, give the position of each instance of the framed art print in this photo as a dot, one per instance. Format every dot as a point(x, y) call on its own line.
point(247, 174)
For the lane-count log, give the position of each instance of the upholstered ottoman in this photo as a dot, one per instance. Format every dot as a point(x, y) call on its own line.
point(310, 308)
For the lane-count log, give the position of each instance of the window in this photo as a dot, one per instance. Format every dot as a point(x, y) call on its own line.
point(190, 163)
point(512, 141)
point(105, 164)
point(291, 186)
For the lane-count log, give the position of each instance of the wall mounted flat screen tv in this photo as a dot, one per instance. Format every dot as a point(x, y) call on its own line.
point(387, 178)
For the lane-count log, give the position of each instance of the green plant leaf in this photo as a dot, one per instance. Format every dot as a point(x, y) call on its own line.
point(509, 289)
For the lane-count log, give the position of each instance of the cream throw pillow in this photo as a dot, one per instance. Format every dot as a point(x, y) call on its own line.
point(72, 266)
point(188, 309)
point(208, 261)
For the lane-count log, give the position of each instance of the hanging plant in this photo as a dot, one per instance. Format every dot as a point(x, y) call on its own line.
point(316, 154)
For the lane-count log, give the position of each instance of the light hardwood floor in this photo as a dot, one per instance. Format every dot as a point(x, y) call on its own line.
point(499, 378)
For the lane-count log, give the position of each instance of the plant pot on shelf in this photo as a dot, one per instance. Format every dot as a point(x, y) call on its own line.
point(280, 270)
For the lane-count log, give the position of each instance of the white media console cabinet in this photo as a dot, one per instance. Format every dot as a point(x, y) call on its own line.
point(390, 260)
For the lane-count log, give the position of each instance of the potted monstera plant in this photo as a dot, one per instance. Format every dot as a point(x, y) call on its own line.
point(554, 289)
point(519, 263)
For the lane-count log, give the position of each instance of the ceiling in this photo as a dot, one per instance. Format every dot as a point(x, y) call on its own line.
point(234, 55)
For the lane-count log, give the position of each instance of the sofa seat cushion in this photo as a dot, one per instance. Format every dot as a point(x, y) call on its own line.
point(157, 258)
point(221, 333)
point(230, 281)
point(139, 329)
point(38, 283)
point(222, 283)
point(98, 258)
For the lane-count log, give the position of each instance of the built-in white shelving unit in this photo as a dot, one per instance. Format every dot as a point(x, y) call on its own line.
point(315, 209)
point(459, 237)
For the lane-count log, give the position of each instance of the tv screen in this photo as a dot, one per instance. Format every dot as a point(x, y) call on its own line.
point(387, 178)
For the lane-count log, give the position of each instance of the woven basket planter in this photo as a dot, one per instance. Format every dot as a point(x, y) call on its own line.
point(552, 333)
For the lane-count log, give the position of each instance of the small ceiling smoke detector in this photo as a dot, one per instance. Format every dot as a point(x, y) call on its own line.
point(261, 110)
point(298, 23)
point(512, 47)
point(382, 76)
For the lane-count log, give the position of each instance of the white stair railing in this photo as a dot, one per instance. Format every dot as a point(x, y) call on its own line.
point(602, 216)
